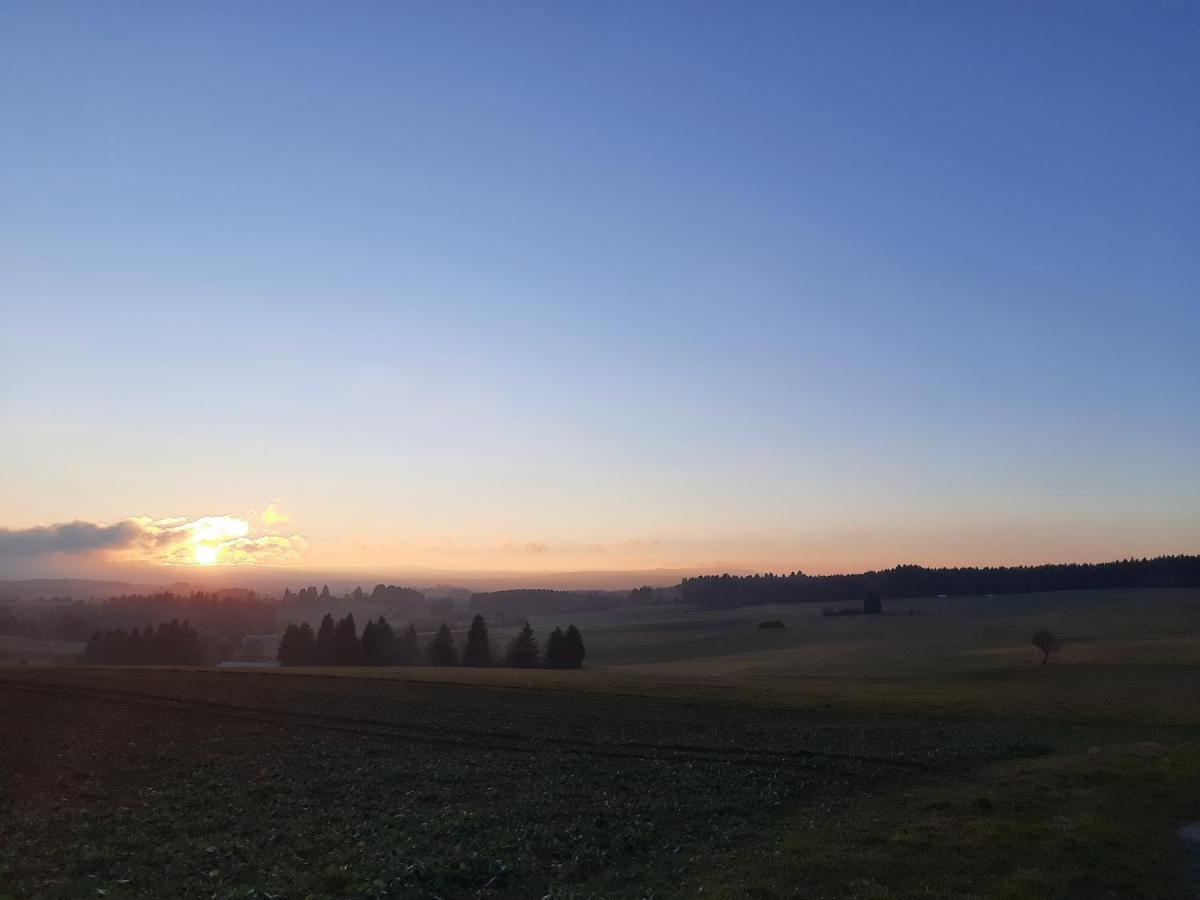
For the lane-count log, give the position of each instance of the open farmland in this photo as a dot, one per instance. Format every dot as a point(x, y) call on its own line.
point(909, 755)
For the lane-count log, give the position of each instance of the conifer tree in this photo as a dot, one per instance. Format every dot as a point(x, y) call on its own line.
point(326, 642)
point(441, 649)
point(306, 645)
point(386, 639)
point(574, 652)
point(287, 654)
point(555, 656)
point(523, 651)
point(346, 647)
point(371, 651)
point(478, 651)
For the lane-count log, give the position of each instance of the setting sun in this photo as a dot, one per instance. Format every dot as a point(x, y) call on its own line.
point(211, 534)
point(206, 554)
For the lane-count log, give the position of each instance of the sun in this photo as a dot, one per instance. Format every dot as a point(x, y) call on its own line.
point(206, 554)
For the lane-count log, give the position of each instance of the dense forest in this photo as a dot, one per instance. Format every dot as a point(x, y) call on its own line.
point(228, 613)
point(171, 643)
point(727, 591)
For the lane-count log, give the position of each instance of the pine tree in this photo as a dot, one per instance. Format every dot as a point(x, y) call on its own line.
point(478, 651)
point(442, 651)
point(306, 645)
point(523, 651)
point(573, 650)
point(407, 648)
point(287, 654)
point(326, 642)
point(555, 657)
point(346, 647)
point(386, 638)
point(371, 651)
point(325, 592)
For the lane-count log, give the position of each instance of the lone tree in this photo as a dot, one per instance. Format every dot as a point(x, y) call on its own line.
point(872, 605)
point(523, 651)
point(441, 648)
point(1047, 643)
point(478, 651)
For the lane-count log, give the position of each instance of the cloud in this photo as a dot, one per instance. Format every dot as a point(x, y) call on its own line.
point(274, 514)
point(177, 540)
point(67, 537)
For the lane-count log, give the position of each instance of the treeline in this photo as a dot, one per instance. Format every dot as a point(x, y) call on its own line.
point(339, 644)
point(171, 643)
point(229, 613)
point(727, 591)
point(382, 593)
point(542, 601)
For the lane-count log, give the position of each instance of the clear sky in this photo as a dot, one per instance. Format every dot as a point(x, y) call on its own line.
point(596, 285)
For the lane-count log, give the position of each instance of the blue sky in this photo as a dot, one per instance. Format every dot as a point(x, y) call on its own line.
point(517, 285)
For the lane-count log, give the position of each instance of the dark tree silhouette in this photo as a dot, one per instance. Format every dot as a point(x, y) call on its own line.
point(306, 645)
point(556, 657)
point(523, 651)
point(325, 592)
point(172, 643)
point(872, 605)
point(477, 651)
point(345, 635)
point(386, 639)
point(1047, 643)
point(288, 652)
point(441, 650)
point(576, 652)
point(298, 647)
point(727, 591)
point(370, 652)
point(326, 642)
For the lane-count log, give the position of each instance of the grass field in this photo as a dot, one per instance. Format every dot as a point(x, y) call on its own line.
point(16, 650)
point(922, 755)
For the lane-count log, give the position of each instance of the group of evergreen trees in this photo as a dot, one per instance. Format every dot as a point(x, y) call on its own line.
point(338, 644)
point(172, 643)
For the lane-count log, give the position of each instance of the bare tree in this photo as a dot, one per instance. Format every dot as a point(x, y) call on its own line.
point(1047, 643)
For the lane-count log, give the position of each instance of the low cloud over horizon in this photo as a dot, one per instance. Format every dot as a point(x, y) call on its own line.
point(179, 540)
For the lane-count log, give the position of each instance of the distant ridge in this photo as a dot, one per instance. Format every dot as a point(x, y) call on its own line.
point(76, 588)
